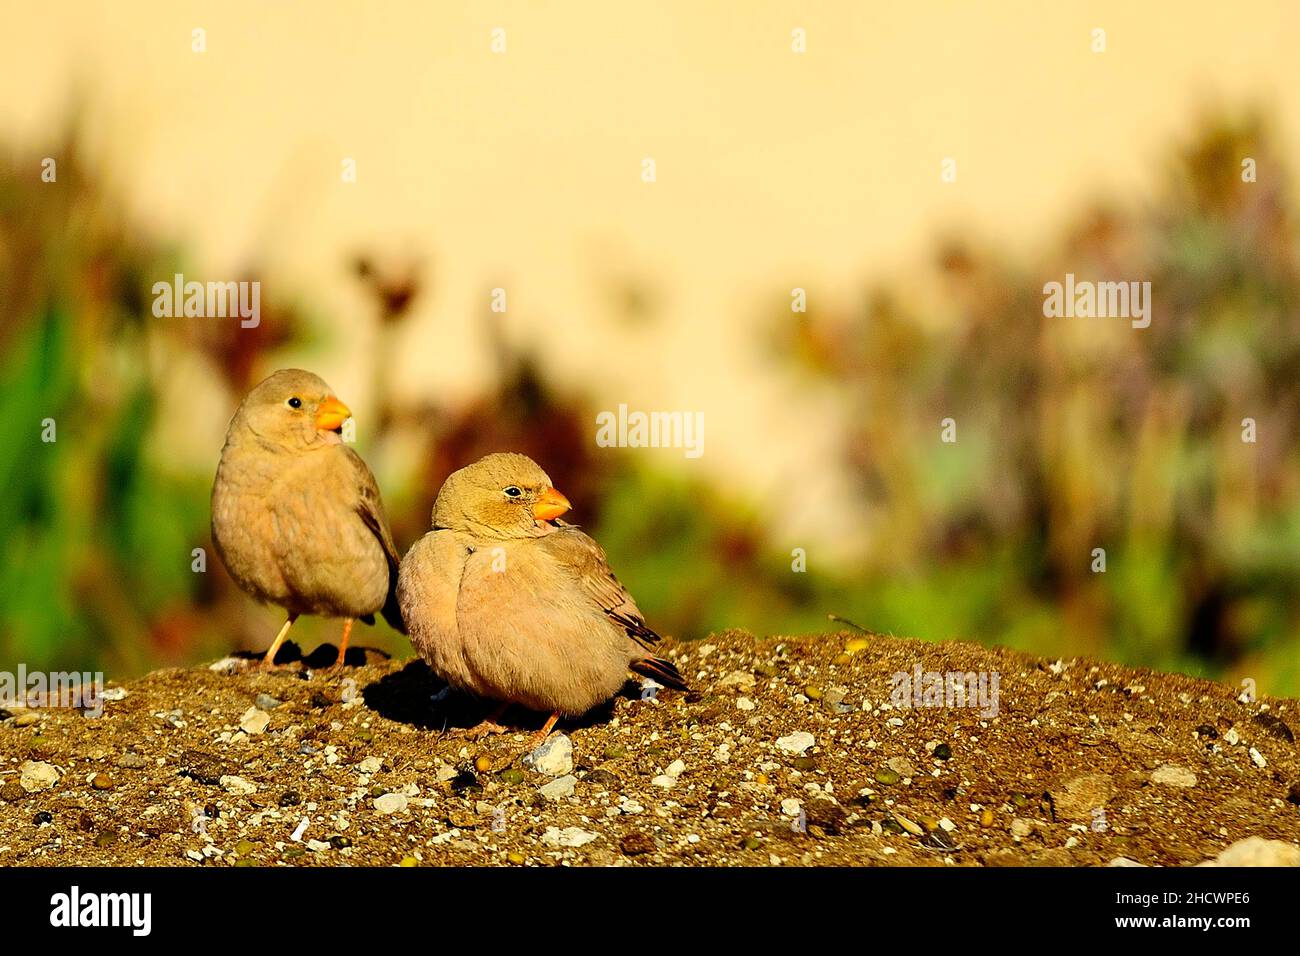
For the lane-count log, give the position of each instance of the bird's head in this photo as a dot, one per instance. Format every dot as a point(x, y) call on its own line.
point(293, 409)
point(503, 495)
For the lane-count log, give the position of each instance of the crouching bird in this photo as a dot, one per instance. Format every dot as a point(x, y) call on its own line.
point(504, 602)
point(296, 514)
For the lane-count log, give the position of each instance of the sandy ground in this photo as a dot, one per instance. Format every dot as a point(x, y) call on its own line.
point(787, 751)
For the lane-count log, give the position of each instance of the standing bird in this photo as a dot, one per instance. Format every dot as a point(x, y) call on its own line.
point(505, 603)
point(296, 514)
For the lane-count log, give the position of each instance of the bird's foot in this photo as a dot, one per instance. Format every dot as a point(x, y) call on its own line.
point(485, 728)
point(539, 738)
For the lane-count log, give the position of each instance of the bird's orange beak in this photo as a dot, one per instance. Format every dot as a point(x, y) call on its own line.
point(550, 505)
point(331, 414)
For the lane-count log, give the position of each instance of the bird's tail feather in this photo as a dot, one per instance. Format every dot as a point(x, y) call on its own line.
point(662, 670)
point(392, 610)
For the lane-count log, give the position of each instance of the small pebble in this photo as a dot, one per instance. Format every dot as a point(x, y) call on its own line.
point(409, 861)
point(887, 777)
point(237, 785)
point(391, 803)
point(797, 742)
point(515, 858)
point(1173, 776)
point(511, 775)
point(254, 721)
point(569, 836)
point(36, 775)
point(908, 825)
point(942, 752)
point(101, 781)
point(483, 764)
point(554, 757)
point(559, 788)
point(266, 702)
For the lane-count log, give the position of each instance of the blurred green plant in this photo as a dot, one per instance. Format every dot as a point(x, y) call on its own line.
point(1076, 434)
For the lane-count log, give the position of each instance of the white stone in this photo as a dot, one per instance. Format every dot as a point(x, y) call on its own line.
point(742, 679)
point(371, 765)
point(665, 781)
point(254, 721)
point(1256, 851)
point(37, 775)
point(237, 785)
point(791, 807)
point(569, 836)
point(744, 703)
point(675, 769)
point(559, 788)
point(1173, 776)
point(797, 742)
point(391, 803)
point(553, 758)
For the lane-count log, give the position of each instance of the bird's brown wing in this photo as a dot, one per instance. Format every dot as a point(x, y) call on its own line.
point(370, 507)
point(585, 560)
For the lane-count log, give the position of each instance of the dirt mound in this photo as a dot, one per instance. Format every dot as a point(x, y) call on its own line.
point(828, 749)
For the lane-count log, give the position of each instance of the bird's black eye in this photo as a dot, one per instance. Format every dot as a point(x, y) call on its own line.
point(295, 402)
point(512, 491)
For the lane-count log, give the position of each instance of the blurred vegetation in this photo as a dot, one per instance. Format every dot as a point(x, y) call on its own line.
point(1072, 434)
point(1075, 434)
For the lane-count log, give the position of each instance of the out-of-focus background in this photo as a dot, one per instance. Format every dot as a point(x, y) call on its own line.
point(522, 169)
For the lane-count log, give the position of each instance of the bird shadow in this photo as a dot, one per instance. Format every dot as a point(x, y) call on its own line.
point(416, 696)
point(321, 657)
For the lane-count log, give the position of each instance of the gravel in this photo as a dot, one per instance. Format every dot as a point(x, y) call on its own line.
point(1083, 764)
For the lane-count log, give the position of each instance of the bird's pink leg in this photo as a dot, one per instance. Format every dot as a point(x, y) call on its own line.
point(269, 660)
point(539, 738)
point(343, 644)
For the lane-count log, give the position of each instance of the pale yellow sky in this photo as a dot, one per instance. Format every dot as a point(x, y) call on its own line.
point(522, 169)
